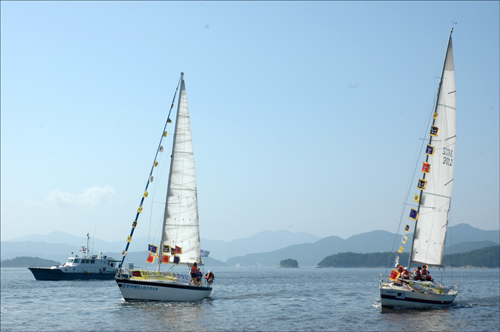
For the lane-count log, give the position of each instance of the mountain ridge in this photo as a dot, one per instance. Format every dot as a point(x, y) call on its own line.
point(262, 248)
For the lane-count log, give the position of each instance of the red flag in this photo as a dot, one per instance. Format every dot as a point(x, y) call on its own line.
point(178, 250)
point(394, 275)
point(165, 259)
point(426, 167)
point(151, 259)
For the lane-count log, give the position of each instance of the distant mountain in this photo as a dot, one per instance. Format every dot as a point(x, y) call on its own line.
point(485, 257)
point(371, 242)
point(310, 254)
point(219, 250)
point(28, 261)
point(467, 233)
point(57, 252)
point(350, 259)
point(58, 237)
point(468, 246)
point(260, 242)
point(264, 248)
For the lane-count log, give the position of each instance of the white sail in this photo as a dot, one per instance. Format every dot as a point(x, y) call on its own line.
point(435, 199)
point(181, 226)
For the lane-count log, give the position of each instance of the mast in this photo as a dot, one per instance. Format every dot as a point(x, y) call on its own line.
point(170, 173)
point(430, 141)
point(88, 249)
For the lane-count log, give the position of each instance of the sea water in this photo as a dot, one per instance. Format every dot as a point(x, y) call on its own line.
point(248, 299)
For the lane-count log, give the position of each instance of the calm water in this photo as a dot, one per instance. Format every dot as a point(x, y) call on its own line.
point(264, 299)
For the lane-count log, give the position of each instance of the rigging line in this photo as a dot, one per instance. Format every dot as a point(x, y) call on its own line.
point(151, 171)
point(159, 174)
point(417, 157)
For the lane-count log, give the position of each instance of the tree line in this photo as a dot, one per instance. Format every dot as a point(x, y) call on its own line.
point(486, 257)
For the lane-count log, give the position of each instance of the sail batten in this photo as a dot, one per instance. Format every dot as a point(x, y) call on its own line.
point(434, 206)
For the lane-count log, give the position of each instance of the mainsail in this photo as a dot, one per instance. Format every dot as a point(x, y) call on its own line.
point(435, 198)
point(181, 226)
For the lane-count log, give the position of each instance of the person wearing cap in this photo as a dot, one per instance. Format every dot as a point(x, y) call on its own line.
point(405, 274)
point(210, 277)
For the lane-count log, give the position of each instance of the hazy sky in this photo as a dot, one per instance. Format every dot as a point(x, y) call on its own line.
point(306, 116)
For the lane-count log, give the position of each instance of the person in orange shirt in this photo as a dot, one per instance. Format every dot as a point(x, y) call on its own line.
point(194, 273)
point(210, 277)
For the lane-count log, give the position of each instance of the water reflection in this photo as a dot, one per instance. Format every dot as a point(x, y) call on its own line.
point(423, 319)
point(154, 316)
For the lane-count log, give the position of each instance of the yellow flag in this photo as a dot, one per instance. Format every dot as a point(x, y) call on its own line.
point(129, 238)
point(400, 249)
point(416, 198)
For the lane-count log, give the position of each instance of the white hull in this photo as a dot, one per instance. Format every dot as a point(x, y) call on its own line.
point(161, 291)
point(400, 296)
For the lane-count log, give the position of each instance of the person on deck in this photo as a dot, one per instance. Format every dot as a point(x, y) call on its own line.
point(417, 274)
point(198, 278)
point(194, 273)
point(406, 274)
point(425, 273)
point(400, 270)
point(210, 277)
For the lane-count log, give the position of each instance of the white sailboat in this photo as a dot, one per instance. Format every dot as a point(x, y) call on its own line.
point(180, 239)
point(434, 199)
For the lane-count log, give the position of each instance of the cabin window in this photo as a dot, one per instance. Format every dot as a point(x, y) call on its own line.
point(77, 261)
point(70, 260)
point(92, 261)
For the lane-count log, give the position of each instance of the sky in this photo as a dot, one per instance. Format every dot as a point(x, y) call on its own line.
point(306, 116)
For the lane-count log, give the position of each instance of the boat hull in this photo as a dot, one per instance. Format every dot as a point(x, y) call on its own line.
point(139, 290)
point(400, 297)
point(41, 273)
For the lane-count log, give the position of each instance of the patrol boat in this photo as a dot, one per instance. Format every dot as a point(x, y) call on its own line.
point(85, 267)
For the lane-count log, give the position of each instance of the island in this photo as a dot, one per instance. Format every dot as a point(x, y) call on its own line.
point(289, 263)
point(26, 261)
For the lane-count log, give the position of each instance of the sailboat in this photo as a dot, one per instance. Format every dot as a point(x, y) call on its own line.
point(180, 236)
point(434, 199)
